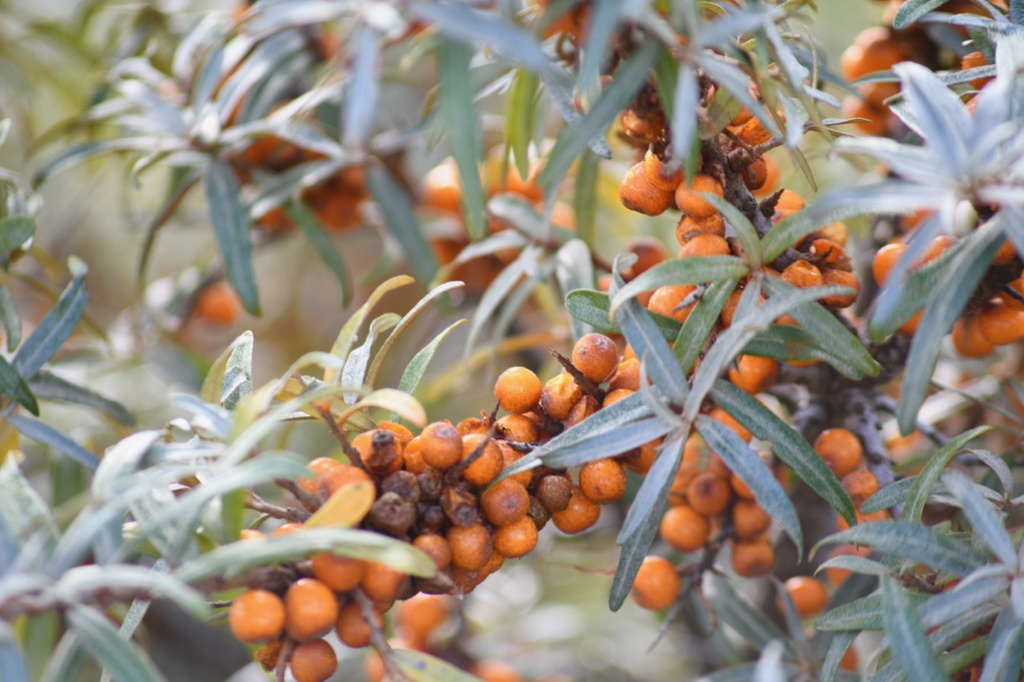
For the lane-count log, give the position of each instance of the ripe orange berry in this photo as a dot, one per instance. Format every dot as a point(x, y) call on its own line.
point(690, 201)
point(509, 457)
point(657, 584)
point(218, 304)
point(840, 449)
point(441, 445)
point(971, 61)
point(518, 390)
point(749, 519)
point(311, 609)
point(516, 539)
point(249, 534)
point(339, 573)
point(754, 374)
point(496, 671)
point(579, 515)
point(666, 300)
point(321, 467)
point(402, 435)
point(723, 417)
point(648, 251)
point(753, 559)
point(840, 278)
point(708, 494)
point(643, 462)
point(704, 244)
point(1000, 324)
point(603, 481)
point(382, 583)
point(968, 339)
point(851, 661)
point(756, 174)
point(639, 193)
point(616, 395)
point(660, 176)
point(626, 376)
point(886, 259)
point(442, 189)
point(487, 465)
point(471, 546)
point(771, 180)
point(256, 616)
point(505, 502)
point(436, 547)
point(753, 132)
point(873, 50)
point(352, 628)
point(802, 274)
point(860, 485)
point(808, 594)
point(596, 356)
point(585, 407)
point(380, 450)
point(689, 226)
point(288, 528)
point(684, 529)
point(313, 661)
point(560, 394)
point(419, 616)
point(518, 428)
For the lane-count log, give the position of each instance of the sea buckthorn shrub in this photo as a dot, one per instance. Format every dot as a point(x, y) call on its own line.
point(589, 307)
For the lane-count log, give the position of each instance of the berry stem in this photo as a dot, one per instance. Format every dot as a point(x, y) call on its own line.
point(258, 504)
point(377, 639)
point(588, 386)
point(283, 658)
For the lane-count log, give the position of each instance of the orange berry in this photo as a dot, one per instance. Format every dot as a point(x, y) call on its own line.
point(876, 121)
point(771, 180)
point(1000, 324)
point(656, 585)
point(802, 274)
point(749, 519)
point(471, 546)
point(311, 609)
point(689, 226)
point(753, 132)
point(659, 175)
point(288, 528)
point(352, 628)
point(643, 462)
point(971, 61)
point(516, 539)
point(441, 445)
point(968, 339)
point(496, 671)
point(509, 457)
point(579, 515)
point(487, 465)
point(841, 278)
point(1013, 294)
point(840, 449)
point(754, 374)
point(808, 594)
point(442, 189)
point(753, 559)
point(873, 50)
point(723, 417)
point(380, 450)
point(256, 616)
point(615, 396)
point(249, 534)
point(742, 116)
point(860, 485)
point(382, 583)
point(626, 376)
point(596, 356)
point(218, 304)
point(313, 661)
point(402, 435)
point(518, 428)
point(419, 616)
point(756, 174)
point(603, 481)
point(585, 407)
point(339, 573)
point(886, 259)
point(321, 467)
point(648, 251)
point(708, 494)
point(665, 301)
point(560, 394)
point(690, 201)
point(413, 457)
point(505, 502)
point(685, 529)
point(268, 655)
point(518, 390)
point(704, 244)
point(436, 547)
point(851, 661)
point(639, 193)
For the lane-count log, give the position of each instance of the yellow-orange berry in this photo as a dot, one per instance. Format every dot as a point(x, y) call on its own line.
point(656, 585)
point(708, 494)
point(690, 201)
point(1001, 324)
point(753, 132)
point(615, 396)
point(749, 519)
point(840, 449)
point(660, 176)
point(471, 546)
point(505, 502)
point(335, 478)
point(860, 485)
point(886, 259)
point(516, 539)
point(648, 251)
point(723, 417)
point(689, 226)
point(837, 576)
point(596, 356)
point(639, 193)
point(753, 559)
point(382, 583)
point(756, 174)
point(603, 481)
point(665, 301)
point(441, 445)
point(968, 339)
point(352, 628)
point(436, 547)
point(311, 609)
point(218, 303)
point(380, 450)
point(518, 428)
point(488, 463)
point(313, 661)
point(685, 529)
point(579, 515)
point(704, 244)
point(560, 394)
point(808, 594)
point(496, 671)
point(754, 374)
point(256, 616)
point(840, 278)
point(802, 274)
point(339, 573)
point(419, 616)
point(518, 390)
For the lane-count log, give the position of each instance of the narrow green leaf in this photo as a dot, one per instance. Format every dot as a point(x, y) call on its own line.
point(210, 392)
point(745, 463)
point(421, 667)
point(51, 387)
point(685, 100)
point(1005, 648)
point(802, 223)
point(736, 612)
point(14, 387)
point(14, 232)
point(788, 445)
point(1017, 12)
point(521, 117)
point(703, 317)
point(861, 614)
point(984, 521)
point(785, 342)
point(237, 382)
point(354, 372)
point(907, 640)
point(628, 79)
point(911, 11)
point(889, 496)
point(418, 365)
point(911, 541)
point(925, 481)
point(460, 120)
point(47, 435)
point(676, 271)
point(124, 661)
point(500, 289)
point(10, 319)
point(231, 226)
point(397, 209)
point(745, 230)
point(857, 564)
point(47, 338)
point(652, 497)
point(314, 233)
point(841, 641)
point(84, 582)
point(591, 307)
point(634, 551)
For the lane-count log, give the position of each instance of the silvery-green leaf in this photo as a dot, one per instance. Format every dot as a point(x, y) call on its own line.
point(906, 636)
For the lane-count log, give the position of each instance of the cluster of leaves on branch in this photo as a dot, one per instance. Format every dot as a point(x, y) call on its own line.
point(725, 397)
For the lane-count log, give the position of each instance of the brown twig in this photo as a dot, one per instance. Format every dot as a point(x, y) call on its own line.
point(282, 659)
point(377, 639)
point(258, 504)
point(301, 494)
point(588, 386)
point(350, 452)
